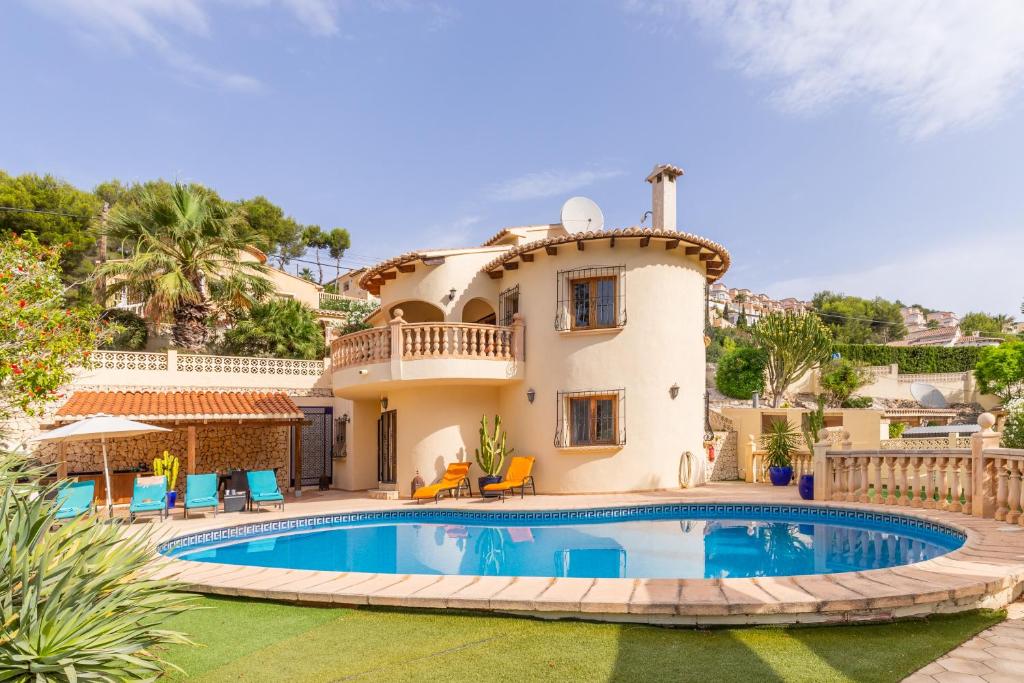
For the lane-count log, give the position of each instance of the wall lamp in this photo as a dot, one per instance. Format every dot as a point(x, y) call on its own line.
point(345, 419)
point(383, 403)
point(673, 391)
point(451, 295)
point(531, 394)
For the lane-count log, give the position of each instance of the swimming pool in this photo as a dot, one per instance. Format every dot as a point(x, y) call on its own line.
point(651, 541)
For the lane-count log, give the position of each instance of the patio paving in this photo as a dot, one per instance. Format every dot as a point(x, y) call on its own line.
point(993, 656)
point(987, 572)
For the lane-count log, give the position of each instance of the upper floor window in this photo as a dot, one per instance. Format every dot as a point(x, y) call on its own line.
point(591, 298)
point(508, 305)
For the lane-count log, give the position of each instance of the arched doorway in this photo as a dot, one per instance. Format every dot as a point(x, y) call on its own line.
point(419, 312)
point(478, 311)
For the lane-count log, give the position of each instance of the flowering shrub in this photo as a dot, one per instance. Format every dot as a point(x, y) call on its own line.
point(1013, 428)
point(41, 338)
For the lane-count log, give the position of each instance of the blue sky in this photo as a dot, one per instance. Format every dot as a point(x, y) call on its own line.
point(874, 148)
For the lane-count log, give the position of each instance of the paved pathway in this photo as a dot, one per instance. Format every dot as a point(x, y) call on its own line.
point(992, 656)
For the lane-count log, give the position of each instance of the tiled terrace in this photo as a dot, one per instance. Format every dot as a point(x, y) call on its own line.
point(987, 571)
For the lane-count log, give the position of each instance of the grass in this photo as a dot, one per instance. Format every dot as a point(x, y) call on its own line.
point(263, 641)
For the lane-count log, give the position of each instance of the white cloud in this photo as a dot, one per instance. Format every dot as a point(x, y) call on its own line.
point(128, 23)
point(927, 64)
point(981, 272)
point(319, 16)
point(546, 184)
point(457, 233)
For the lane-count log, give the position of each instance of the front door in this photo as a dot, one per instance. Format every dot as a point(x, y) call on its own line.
point(387, 457)
point(316, 446)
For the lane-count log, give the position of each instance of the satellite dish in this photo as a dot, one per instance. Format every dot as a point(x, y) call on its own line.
point(580, 214)
point(927, 395)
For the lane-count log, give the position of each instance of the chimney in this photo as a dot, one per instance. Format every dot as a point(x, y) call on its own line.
point(663, 199)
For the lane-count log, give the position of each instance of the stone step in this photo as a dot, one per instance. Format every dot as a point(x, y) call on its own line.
point(381, 486)
point(380, 494)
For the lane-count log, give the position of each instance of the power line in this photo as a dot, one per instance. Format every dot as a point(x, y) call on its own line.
point(822, 314)
point(50, 213)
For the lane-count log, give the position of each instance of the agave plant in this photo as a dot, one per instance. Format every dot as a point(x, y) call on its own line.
point(77, 601)
point(814, 422)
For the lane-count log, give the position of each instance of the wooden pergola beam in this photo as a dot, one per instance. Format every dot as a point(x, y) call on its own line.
point(511, 265)
point(550, 250)
point(579, 245)
point(389, 275)
point(496, 274)
point(407, 268)
point(707, 257)
point(645, 240)
point(692, 251)
point(191, 450)
point(671, 244)
point(527, 258)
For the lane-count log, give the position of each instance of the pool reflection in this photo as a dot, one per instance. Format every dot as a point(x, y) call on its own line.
point(650, 548)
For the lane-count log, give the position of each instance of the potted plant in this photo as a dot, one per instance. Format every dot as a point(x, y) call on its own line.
point(780, 442)
point(814, 422)
point(491, 454)
point(167, 465)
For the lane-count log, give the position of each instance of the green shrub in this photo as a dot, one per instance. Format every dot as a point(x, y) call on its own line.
point(741, 372)
point(840, 378)
point(1013, 428)
point(896, 429)
point(1000, 371)
point(130, 333)
point(913, 359)
point(857, 402)
point(355, 311)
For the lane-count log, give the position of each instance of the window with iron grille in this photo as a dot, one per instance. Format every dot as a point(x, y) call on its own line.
point(591, 298)
point(591, 418)
point(508, 305)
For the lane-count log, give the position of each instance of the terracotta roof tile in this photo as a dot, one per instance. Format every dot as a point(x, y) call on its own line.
point(696, 240)
point(174, 405)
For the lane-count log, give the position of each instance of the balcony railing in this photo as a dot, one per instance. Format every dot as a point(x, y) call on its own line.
point(417, 341)
point(358, 348)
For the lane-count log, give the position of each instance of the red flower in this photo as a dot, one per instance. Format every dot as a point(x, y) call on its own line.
point(21, 303)
point(15, 369)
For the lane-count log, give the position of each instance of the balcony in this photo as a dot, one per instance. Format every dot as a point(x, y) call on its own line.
point(367, 361)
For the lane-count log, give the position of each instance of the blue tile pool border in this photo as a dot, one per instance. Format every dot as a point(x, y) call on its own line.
point(658, 511)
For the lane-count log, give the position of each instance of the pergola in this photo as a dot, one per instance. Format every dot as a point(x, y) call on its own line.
point(188, 409)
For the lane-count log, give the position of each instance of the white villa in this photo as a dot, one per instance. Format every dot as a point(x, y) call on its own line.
point(590, 345)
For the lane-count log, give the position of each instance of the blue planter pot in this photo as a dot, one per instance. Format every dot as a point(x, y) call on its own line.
point(484, 481)
point(172, 498)
point(806, 486)
point(780, 476)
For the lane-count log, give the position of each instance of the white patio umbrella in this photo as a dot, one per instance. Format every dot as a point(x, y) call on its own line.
point(100, 427)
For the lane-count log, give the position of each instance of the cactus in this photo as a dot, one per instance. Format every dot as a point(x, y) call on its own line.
point(491, 454)
point(814, 423)
point(167, 465)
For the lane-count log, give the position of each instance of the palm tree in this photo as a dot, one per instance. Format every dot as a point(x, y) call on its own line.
point(185, 260)
point(277, 329)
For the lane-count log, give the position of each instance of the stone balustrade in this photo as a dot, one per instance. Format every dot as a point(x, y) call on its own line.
point(456, 340)
point(367, 346)
point(402, 341)
point(983, 480)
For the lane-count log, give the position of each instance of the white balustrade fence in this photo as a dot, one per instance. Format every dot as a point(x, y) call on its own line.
point(367, 346)
point(179, 362)
point(982, 480)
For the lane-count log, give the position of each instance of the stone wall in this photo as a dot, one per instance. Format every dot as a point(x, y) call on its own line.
point(724, 468)
point(219, 448)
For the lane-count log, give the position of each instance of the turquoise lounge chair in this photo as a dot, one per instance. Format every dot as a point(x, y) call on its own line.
point(75, 499)
point(201, 492)
point(149, 495)
point(263, 488)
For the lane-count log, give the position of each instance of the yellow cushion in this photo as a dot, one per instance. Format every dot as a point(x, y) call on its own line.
point(503, 486)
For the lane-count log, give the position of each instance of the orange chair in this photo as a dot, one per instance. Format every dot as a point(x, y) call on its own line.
point(452, 482)
point(516, 477)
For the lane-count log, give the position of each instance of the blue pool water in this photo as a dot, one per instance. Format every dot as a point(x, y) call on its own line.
point(675, 541)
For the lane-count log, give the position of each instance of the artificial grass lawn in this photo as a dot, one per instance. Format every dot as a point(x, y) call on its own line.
point(264, 641)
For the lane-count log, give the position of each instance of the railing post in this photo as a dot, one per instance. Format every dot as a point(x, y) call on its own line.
point(518, 336)
point(750, 467)
point(395, 328)
point(822, 475)
point(983, 503)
